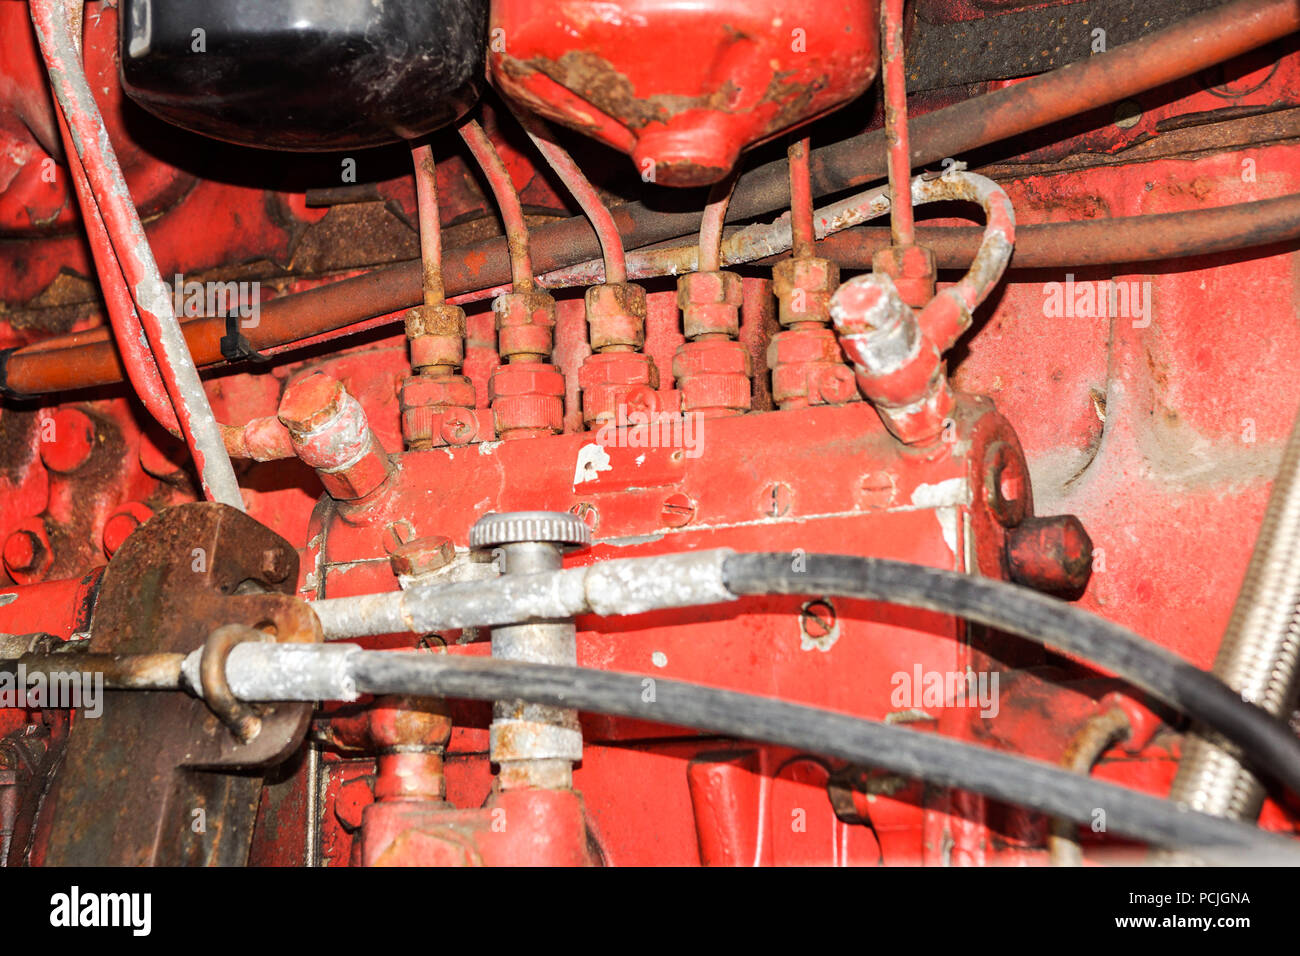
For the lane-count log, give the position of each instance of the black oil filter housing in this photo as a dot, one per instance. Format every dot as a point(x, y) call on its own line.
point(308, 75)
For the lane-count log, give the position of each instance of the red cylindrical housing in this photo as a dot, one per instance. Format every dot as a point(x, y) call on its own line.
point(683, 88)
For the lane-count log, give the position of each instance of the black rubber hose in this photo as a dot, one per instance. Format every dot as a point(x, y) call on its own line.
point(1268, 744)
point(916, 754)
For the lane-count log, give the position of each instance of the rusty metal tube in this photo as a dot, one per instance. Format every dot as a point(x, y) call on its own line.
point(1084, 750)
point(507, 197)
point(801, 199)
point(583, 192)
point(176, 367)
point(426, 193)
point(893, 75)
point(715, 217)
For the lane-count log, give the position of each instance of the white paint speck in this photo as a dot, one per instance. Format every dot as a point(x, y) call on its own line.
point(954, 491)
point(659, 659)
point(592, 460)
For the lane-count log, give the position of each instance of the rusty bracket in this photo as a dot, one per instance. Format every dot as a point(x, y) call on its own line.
point(190, 784)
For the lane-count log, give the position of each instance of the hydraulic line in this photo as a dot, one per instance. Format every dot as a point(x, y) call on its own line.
point(893, 75)
point(507, 197)
point(1268, 744)
point(122, 225)
point(1260, 654)
point(258, 671)
point(426, 199)
point(1196, 43)
point(937, 760)
point(802, 234)
point(715, 217)
point(635, 585)
point(583, 192)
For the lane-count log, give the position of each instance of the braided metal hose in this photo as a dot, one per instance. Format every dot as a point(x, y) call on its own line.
point(1259, 653)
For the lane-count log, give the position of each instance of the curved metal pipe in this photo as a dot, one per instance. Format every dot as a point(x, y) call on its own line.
point(176, 367)
point(507, 197)
point(583, 192)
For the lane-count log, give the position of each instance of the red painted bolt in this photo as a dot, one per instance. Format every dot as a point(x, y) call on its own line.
point(122, 522)
point(422, 555)
point(27, 552)
point(1052, 554)
point(678, 511)
point(817, 619)
point(67, 440)
point(21, 550)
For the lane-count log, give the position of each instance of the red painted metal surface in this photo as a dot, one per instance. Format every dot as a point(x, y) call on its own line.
point(1156, 417)
point(684, 111)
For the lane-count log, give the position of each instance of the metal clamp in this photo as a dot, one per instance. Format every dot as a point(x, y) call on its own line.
point(242, 720)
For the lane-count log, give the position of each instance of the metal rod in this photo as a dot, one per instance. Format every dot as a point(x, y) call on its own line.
point(715, 217)
point(894, 78)
point(801, 199)
point(621, 586)
point(131, 246)
point(426, 193)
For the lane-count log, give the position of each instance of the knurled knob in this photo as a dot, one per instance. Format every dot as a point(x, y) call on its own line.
point(516, 527)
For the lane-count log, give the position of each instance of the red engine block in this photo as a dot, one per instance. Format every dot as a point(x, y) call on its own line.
point(1157, 428)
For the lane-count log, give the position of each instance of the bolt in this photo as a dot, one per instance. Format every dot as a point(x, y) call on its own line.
point(310, 402)
point(817, 619)
point(877, 490)
point(27, 552)
point(275, 565)
point(122, 522)
point(21, 551)
point(70, 442)
point(777, 500)
point(1052, 554)
point(678, 511)
point(422, 556)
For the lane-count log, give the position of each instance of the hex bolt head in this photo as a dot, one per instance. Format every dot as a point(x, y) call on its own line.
point(1051, 554)
point(422, 556)
point(310, 402)
point(28, 555)
point(67, 440)
point(122, 522)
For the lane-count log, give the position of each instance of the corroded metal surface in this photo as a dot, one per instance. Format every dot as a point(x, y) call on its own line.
point(187, 571)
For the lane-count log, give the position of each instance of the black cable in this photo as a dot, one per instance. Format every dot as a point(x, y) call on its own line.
point(924, 756)
point(1268, 744)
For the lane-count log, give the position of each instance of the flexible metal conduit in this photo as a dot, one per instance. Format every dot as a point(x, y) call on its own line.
point(1259, 655)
